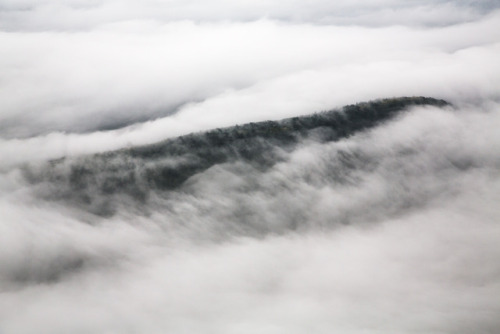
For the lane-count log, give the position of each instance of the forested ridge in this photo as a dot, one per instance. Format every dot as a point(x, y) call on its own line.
point(167, 165)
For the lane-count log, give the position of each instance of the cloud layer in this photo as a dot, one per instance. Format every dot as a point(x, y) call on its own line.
point(408, 243)
point(81, 15)
point(392, 230)
point(219, 74)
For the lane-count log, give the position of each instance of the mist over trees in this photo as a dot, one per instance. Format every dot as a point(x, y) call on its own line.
point(94, 181)
point(161, 170)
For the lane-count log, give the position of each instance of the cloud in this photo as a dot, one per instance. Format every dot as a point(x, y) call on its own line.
point(390, 230)
point(412, 238)
point(36, 15)
point(184, 77)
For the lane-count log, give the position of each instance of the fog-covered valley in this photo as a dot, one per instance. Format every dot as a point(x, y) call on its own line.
point(165, 169)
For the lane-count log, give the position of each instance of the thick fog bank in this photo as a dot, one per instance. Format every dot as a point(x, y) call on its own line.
point(394, 229)
point(363, 224)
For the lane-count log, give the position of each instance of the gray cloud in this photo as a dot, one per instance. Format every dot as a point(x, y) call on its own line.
point(71, 14)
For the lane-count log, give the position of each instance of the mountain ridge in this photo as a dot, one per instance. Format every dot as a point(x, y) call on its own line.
point(94, 181)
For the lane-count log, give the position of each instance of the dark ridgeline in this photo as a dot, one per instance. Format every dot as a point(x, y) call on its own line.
point(92, 181)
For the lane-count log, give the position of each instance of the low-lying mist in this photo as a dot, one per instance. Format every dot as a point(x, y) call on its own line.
point(157, 175)
point(390, 229)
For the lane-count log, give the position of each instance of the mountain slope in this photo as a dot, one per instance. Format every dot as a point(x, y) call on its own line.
point(94, 182)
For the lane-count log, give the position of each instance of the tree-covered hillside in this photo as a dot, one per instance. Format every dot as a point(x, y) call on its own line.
point(93, 181)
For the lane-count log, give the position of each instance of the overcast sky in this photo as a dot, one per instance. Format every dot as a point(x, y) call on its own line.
point(87, 76)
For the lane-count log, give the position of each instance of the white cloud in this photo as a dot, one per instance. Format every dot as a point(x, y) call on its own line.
point(405, 239)
point(420, 253)
point(237, 72)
